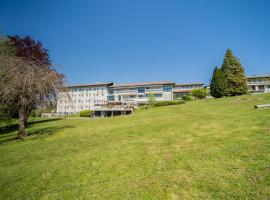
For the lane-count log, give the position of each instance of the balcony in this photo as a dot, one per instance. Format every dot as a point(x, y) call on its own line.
point(158, 90)
point(126, 92)
point(258, 82)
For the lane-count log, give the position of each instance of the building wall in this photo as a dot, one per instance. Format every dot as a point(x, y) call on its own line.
point(180, 90)
point(81, 98)
point(140, 94)
point(258, 84)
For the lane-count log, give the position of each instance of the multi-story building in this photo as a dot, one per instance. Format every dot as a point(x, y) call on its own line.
point(82, 97)
point(183, 89)
point(138, 93)
point(93, 96)
point(258, 84)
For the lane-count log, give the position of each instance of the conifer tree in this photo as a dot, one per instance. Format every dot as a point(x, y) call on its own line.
point(236, 82)
point(218, 83)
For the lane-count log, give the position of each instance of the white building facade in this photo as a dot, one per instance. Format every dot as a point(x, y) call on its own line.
point(180, 90)
point(258, 84)
point(138, 93)
point(92, 96)
point(82, 97)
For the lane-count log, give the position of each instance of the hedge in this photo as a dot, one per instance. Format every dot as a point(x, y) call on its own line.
point(187, 98)
point(86, 113)
point(168, 103)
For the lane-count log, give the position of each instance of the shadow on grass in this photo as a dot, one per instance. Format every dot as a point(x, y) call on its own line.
point(14, 127)
point(9, 132)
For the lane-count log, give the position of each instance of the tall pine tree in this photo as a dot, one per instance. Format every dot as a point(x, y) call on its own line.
point(236, 81)
point(218, 83)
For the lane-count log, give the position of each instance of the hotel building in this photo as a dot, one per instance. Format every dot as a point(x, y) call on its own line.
point(184, 89)
point(82, 97)
point(99, 96)
point(258, 84)
point(96, 96)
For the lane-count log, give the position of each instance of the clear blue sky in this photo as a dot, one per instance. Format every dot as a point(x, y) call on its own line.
point(144, 40)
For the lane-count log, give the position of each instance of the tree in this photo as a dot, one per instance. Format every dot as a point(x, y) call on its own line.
point(236, 81)
point(218, 83)
point(151, 99)
point(200, 93)
point(27, 78)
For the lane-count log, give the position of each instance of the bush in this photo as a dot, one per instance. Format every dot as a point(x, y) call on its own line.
point(200, 93)
point(35, 113)
point(86, 113)
point(167, 103)
point(187, 98)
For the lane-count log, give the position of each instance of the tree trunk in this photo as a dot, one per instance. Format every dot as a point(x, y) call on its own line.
point(22, 119)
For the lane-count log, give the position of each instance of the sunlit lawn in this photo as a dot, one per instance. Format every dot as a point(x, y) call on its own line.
point(208, 149)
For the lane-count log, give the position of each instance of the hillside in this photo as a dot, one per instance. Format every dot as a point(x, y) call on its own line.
point(208, 149)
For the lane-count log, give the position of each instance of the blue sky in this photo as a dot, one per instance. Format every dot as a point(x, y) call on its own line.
point(144, 40)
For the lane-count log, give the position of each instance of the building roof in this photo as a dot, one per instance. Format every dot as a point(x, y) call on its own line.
point(259, 76)
point(178, 84)
point(90, 85)
point(142, 84)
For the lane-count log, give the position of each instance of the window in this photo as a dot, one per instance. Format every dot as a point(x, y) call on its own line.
point(110, 91)
point(110, 98)
point(158, 95)
point(141, 90)
point(167, 88)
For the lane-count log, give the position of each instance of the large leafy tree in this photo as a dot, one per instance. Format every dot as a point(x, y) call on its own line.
point(236, 82)
point(27, 77)
point(218, 83)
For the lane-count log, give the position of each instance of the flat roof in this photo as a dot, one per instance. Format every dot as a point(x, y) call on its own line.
point(183, 84)
point(90, 85)
point(259, 76)
point(142, 84)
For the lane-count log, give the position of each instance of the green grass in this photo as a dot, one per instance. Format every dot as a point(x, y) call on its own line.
point(208, 149)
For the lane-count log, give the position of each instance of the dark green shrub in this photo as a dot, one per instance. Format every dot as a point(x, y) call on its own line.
point(35, 113)
point(218, 83)
point(187, 98)
point(86, 113)
point(167, 103)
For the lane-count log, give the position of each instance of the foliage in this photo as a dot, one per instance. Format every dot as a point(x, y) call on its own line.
point(200, 93)
point(236, 82)
point(151, 99)
point(26, 78)
point(218, 83)
point(175, 152)
point(187, 98)
point(30, 49)
point(86, 113)
point(168, 103)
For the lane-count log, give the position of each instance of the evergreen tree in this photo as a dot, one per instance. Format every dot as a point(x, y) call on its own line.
point(218, 83)
point(236, 81)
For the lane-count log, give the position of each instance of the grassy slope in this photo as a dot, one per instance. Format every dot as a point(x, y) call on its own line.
point(209, 149)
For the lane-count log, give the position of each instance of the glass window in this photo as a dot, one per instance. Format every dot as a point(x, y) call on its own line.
point(110, 90)
point(141, 90)
point(111, 98)
point(167, 88)
point(158, 95)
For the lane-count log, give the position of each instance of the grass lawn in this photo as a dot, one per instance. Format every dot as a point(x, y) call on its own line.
point(208, 149)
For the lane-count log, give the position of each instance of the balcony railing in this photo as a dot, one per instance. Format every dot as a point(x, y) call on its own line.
point(153, 90)
point(258, 83)
point(126, 92)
